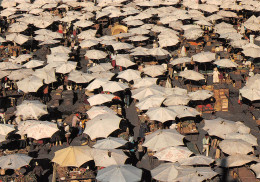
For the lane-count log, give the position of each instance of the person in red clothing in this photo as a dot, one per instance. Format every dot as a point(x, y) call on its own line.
point(46, 94)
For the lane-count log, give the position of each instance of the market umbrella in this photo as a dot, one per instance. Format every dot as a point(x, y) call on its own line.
point(252, 52)
point(168, 42)
point(57, 57)
point(20, 74)
point(191, 75)
point(30, 84)
point(33, 64)
point(176, 99)
point(184, 111)
point(100, 67)
point(226, 63)
point(88, 43)
point(6, 128)
point(154, 70)
point(100, 99)
point(80, 77)
point(95, 54)
point(165, 172)
point(220, 127)
point(161, 114)
point(144, 82)
point(256, 169)
point(204, 57)
point(180, 61)
point(40, 130)
point(129, 75)
point(163, 138)
point(150, 102)
point(3, 74)
point(235, 146)
point(123, 60)
point(14, 161)
point(73, 156)
point(119, 173)
point(9, 66)
point(99, 110)
point(102, 125)
point(200, 95)
point(193, 33)
point(113, 86)
point(60, 49)
point(33, 109)
point(23, 125)
point(251, 139)
point(66, 67)
point(138, 38)
point(97, 83)
point(17, 38)
point(158, 52)
point(105, 158)
point(21, 58)
point(143, 92)
point(196, 160)
point(173, 154)
point(121, 46)
point(237, 160)
point(48, 75)
point(110, 143)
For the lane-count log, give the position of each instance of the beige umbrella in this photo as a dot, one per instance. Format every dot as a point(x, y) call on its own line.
point(173, 154)
point(102, 125)
point(165, 172)
point(200, 95)
point(97, 83)
point(121, 46)
point(139, 31)
point(235, 146)
point(20, 74)
point(83, 23)
point(143, 92)
point(180, 60)
point(18, 27)
point(95, 54)
point(168, 42)
point(228, 14)
point(252, 52)
point(31, 109)
point(33, 64)
point(251, 139)
point(134, 23)
point(191, 75)
point(150, 101)
point(9, 66)
point(104, 75)
point(256, 169)
point(14, 161)
point(88, 43)
point(80, 77)
point(193, 34)
point(30, 84)
point(4, 73)
point(48, 75)
point(204, 57)
point(175, 99)
point(73, 156)
point(60, 49)
point(196, 160)
point(110, 157)
point(144, 82)
point(110, 143)
point(138, 38)
point(161, 114)
point(100, 67)
point(123, 60)
point(220, 127)
point(112, 86)
point(21, 58)
point(226, 63)
point(99, 110)
point(58, 57)
point(66, 67)
point(237, 160)
point(40, 130)
point(6, 128)
point(17, 38)
point(89, 34)
point(158, 52)
point(154, 70)
point(129, 75)
point(120, 173)
point(163, 138)
point(184, 111)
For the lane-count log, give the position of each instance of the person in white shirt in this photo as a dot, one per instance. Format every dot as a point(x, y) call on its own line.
point(206, 143)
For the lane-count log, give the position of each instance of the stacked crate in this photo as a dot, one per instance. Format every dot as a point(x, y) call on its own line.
point(221, 97)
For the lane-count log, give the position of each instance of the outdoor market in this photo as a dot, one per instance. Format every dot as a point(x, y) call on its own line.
point(129, 90)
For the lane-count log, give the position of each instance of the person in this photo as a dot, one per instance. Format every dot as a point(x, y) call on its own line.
point(46, 94)
point(38, 171)
point(67, 132)
point(215, 76)
point(75, 121)
point(206, 143)
point(140, 150)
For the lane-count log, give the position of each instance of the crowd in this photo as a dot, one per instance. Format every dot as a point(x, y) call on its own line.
point(162, 90)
